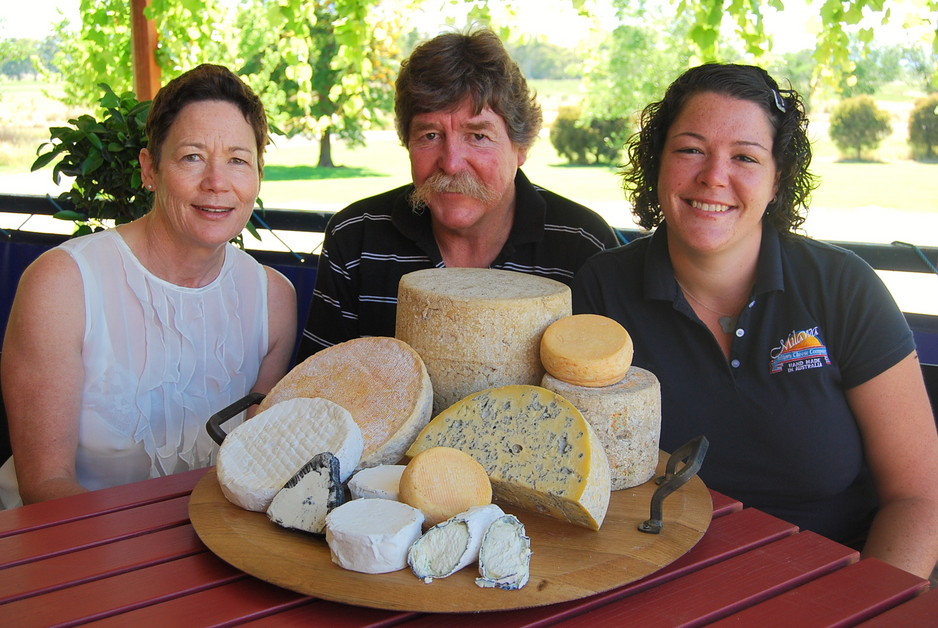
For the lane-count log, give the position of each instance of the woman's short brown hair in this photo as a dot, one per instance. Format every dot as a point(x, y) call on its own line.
point(443, 71)
point(205, 82)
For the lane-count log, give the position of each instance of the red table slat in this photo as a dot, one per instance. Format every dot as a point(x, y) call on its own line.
point(921, 611)
point(95, 503)
point(724, 504)
point(727, 587)
point(102, 598)
point(98, 562)
point(841, 598)
point(322, 613)
point(727, 536)
point(52, 540)
point(237, 601)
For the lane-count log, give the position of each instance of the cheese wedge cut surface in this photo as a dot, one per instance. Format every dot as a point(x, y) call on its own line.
point(538, 450)
point(380, 380)
point(372, 535)
point(505, 555)
point(310, 495)
point(443, 482)
point(587, 350)
point(259, 456)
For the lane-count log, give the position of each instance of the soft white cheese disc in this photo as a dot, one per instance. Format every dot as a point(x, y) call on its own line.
point(453, 544)
point(372, 535)
point(377, 482)
point(259, 456)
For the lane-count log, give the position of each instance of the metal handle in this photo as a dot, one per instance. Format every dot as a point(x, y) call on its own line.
point(213, 427)
point(693, 453)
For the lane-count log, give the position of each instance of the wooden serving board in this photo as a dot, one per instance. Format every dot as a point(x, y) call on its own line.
point(568, 562)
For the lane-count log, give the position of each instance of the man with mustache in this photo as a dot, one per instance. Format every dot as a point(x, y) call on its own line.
point(464, 112)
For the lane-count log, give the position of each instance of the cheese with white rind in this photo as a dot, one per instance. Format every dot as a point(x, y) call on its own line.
point(627, 418)
point(538, 450)
point(376, 482)
point(477, 328)
point(310, 495)
point(587, 350)
point(451, 545)
point(372, 535)
point(259, 456)
point(443, 482)
point(505, 555)
point(380, 380)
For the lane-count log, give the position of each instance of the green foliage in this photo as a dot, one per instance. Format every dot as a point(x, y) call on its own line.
point(103, 156)
point(858, 124)
point(543, 60)
point(923, 128)
point(596, 141)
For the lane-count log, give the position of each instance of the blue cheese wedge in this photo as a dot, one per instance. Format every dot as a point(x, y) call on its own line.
point(382, 482)
point(451, 545)
point(539, 451)
point(304, 501)
point(259, 456)
point(505, 555)
point(372, 535)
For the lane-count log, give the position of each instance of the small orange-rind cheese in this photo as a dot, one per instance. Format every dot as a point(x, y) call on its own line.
point(442, 482)
point(587, 350)
point(538, 450)
point(380, 380)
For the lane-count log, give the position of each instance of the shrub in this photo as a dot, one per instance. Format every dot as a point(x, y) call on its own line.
point(923, 128)
point(583, 142)
point(858, 124)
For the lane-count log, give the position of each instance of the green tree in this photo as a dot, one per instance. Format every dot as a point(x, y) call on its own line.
point(591, 141)
point(923, 128)
point(858, 124)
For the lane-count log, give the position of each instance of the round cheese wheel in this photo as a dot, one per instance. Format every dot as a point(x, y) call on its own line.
point(372, 535)
point(626, 417)
point(587, 350)
point(380, 380)
point(477, 328)
point(442, 482)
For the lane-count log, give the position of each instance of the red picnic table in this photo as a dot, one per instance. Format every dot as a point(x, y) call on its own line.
point(129, 556)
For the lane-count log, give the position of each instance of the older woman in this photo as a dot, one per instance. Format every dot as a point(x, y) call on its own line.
point(121, 344)
point(788, 354)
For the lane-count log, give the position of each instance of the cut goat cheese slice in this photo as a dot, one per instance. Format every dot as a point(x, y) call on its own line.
point(505, 555)
point(304, 501)
point(376, 482)
point(372, 535)
point(380, 380)
point(451, 545)
point(259, 456)
point(538, 450)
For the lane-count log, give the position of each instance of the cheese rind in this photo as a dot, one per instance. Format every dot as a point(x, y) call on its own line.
point(587, 350)
point(538, 450)
point(380, 380)
point(377, 482)
point(443, 482)
point(310, 495)
point(477, 328)
point(372, 535)
point(627, 418)
point(505, 555)
point(451, 545)
point(259, 456)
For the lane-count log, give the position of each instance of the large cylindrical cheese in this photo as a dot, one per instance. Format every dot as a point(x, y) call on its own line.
point(627, 418)
point(477, 328)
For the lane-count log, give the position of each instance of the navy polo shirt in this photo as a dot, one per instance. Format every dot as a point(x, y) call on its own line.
point(782, 436)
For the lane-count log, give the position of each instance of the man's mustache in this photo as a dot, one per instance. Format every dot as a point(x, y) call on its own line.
point(464, 183)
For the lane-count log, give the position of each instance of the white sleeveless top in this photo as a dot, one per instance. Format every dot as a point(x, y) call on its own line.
point(159, 360)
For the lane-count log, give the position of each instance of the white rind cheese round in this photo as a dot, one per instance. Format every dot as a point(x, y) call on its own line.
point(539, 451)
point(380, 380)
point(627, 418)
point(477, 328)
point(381, 482)
point(372, 535)
point(261, 455)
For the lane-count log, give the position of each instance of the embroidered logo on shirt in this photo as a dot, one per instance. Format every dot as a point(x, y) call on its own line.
point(802, 350)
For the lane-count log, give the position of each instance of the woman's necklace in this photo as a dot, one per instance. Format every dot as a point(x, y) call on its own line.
point(727, 321)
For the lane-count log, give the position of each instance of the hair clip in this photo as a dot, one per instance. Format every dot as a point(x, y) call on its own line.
point(779, 101)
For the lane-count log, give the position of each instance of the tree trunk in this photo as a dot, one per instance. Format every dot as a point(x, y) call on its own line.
point(325, 149)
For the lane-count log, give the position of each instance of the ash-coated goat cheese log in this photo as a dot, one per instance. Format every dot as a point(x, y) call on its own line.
point(453, 544)
point(538, 450)
point(259, 456)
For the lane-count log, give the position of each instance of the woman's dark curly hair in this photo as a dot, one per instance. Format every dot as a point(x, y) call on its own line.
point(791, 147)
